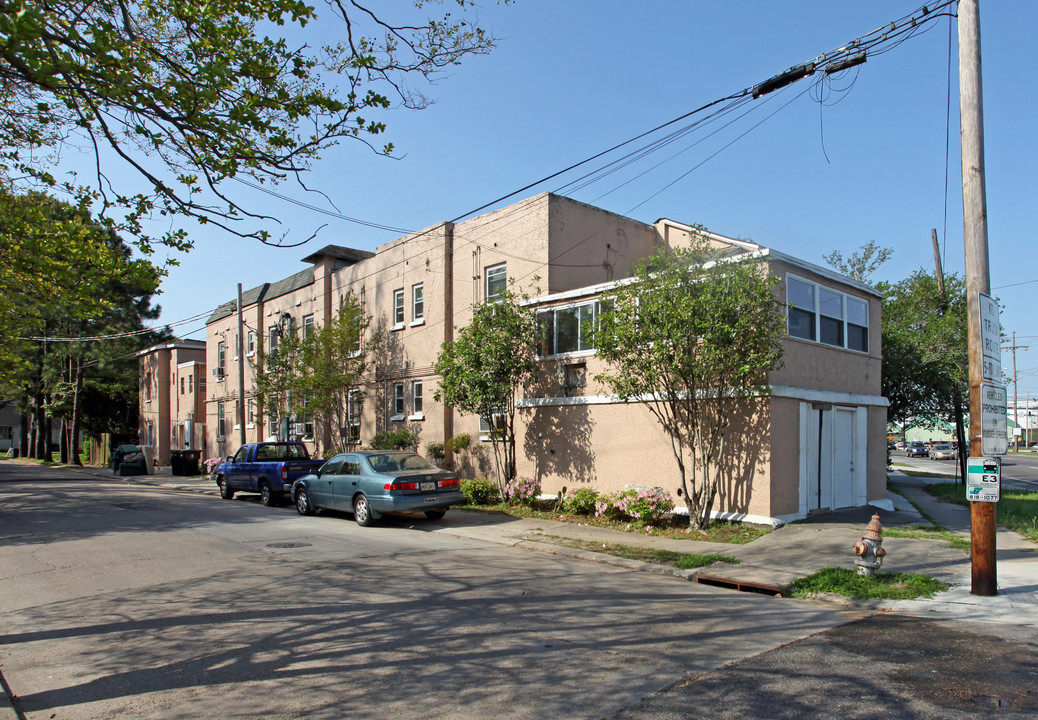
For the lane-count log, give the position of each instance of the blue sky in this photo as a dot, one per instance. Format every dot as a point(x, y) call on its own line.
point(800, 173)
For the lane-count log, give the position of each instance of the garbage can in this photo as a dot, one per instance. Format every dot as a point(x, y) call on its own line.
point(190, 460)
point(176, 462)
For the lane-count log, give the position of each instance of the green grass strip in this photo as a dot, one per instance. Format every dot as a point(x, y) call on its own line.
point(682, 561)
point(881, 586)
point(1017, 509)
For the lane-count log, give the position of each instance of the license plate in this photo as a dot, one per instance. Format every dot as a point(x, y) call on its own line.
point(428, 486)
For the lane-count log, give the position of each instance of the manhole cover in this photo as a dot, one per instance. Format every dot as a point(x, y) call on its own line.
point(287, 545)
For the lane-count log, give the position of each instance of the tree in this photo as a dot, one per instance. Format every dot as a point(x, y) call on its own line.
point(188, 95)
point(693, 337)
point(483, 368)
point(862, 263)
point(925, 353)
point(64, 276)
point(317, 375)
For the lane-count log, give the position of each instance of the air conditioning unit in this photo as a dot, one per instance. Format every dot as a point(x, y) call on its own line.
point(218, 373)
point(298, 428)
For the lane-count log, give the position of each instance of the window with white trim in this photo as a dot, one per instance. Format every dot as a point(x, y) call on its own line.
point(221, 361)
point(498, 416)
point(398, 307)
point(569, 329)
point(496, 281)
point(251, 342)
point(353, 410)
point(819, 314)
point(308, 325)
point(398, 401)
point(417, 400)
point(273, 336)
point(221, 428)
point(250, 412)
point(418, 302)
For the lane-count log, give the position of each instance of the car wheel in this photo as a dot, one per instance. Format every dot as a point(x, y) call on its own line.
point(267, 496)
point(303, 505)
point(362, 511)
point(435, 514)
point(225, 492)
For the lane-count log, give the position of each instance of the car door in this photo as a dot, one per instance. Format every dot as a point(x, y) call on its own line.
point(345, 484)
point(321, 486)
point(237, 475)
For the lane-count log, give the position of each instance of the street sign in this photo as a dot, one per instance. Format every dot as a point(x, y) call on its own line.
point(994, 422)
point(983, 479)
point(991, 339)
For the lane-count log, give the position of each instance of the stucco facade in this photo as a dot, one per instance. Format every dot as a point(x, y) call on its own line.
point(816, 440)
point(172, 397)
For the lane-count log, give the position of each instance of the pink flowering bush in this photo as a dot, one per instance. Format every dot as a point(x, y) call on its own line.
point(645, 505)
point(522, 491)
point(211, 464)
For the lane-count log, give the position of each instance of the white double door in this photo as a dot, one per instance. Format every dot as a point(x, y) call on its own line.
point(833, 447)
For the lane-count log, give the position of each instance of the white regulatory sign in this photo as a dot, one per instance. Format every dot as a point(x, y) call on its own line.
point(991, 338)
point(993, 419)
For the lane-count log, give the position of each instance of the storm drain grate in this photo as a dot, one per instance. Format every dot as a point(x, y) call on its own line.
point(742, 585)
point(288, 545)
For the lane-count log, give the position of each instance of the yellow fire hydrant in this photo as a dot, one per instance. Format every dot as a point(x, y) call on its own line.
point(869, 549)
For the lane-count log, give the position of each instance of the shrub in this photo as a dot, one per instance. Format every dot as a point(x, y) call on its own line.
point(522, 491)
point(435, 450)
point(479, 491)
point(399, 439)
point(459, 443)
point(644, 505)
point(581, 502)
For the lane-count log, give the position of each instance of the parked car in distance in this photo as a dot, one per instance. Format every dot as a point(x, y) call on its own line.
point(942, 451)
point(267, 468)
point(373, 482)
point(916, 448)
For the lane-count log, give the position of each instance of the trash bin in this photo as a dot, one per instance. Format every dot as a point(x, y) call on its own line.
point(191, 460)
point(176, 462)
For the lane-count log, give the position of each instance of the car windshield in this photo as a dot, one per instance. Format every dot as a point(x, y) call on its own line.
point(399, 462)
point(942, 446)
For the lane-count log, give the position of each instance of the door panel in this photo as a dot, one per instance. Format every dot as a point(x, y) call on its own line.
point(844, 443)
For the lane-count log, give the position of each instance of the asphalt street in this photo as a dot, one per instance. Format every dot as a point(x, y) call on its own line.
point(123, 600)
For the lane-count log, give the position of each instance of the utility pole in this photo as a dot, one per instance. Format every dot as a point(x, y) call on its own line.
point(1016, 400)
point(978, 279)
point(960, 437)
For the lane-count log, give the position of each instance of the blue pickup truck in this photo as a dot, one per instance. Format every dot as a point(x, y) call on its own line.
point(267, 468)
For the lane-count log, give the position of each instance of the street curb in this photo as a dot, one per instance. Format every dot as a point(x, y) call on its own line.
point(7, 709)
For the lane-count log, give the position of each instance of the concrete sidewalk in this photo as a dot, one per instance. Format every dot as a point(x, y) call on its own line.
point(778, 558)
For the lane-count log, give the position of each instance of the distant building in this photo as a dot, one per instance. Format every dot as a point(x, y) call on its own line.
point(172, 397)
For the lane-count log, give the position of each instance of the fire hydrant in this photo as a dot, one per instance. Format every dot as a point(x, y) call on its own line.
point(869, 549)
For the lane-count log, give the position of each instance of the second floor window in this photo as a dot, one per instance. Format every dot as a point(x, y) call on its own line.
point(418, 302)
point(221, 358)
point(826, 316)
point(308, 325)
point(568, 329)
point(398, 307)
point(496, 281)
point(221, 429)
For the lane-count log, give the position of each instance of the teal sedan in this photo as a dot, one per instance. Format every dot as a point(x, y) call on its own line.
point(373, 482)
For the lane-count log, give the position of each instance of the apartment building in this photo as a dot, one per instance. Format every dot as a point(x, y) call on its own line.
point(172, 397)
point(816, 441)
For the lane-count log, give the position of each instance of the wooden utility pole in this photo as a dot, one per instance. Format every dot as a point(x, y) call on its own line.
point(978, 280)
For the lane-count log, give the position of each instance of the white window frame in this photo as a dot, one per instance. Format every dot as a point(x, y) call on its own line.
point(495, 270)
point(822, 311)
point(250, 413)
point(551, 348)
point(250, 348)
point(498, 416)
point(417, 401)
point(221, 427)
point(354, 408)
point(221, 360)
point(398, 309)
point(308, 324)
point(417, 304)
point(398, 402)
